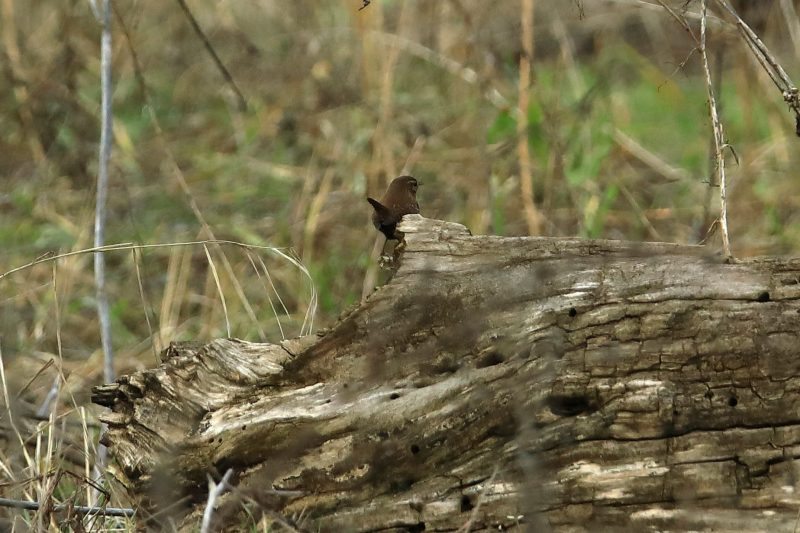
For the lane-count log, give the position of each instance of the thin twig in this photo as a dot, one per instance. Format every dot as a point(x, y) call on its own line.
point(792, 23)
point(680, 20)
point(213, 53)
point(80, 509)
point(215, 490)
point(719, 138)
point(774, 69)
point(106, 140)
point(467, 527)
point(640, 214)
point(38, 373)
point(789, 92)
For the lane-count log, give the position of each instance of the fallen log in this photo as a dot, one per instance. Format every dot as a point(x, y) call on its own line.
point(493, 383)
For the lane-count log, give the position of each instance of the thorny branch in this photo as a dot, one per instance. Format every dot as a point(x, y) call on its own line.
point(79, 509)
point(719, 138)
point(215, 490)
point(790, 93)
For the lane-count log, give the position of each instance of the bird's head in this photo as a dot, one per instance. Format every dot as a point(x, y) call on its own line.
point(404, 184)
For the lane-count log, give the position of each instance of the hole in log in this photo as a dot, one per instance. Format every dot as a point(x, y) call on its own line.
point(668, 428)
point(569, 405)
point(401, 484)
point(414, 449)
point(446, 365)
point(416, 528)
point(466, 504)
point(244, 427)
point(709, 394)
point(394, 396)
point(506, 427)
point(763, 297)
point(732, 401)
point(573, 312)
point(490, 359)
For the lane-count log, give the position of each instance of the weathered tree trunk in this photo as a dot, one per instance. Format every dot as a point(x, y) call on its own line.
point(494, 382)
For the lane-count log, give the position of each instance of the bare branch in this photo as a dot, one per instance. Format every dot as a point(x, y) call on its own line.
point(106, 140)
point(80, 509)
point(213, 53)
point(789, 92)
point(680, 20)
point(719, 139)
point(215, 490)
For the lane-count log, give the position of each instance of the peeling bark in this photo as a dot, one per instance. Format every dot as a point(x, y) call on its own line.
point(495, 383)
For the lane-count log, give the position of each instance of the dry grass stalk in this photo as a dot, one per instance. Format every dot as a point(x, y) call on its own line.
point(532, 215)
point(221, 293)
point(155, 340)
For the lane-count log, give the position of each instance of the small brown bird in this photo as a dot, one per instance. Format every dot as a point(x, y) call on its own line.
point(400, 199)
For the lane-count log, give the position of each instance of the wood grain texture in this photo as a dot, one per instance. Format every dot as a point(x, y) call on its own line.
point(566, 383)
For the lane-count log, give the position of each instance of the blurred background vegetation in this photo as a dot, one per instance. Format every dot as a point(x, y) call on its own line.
point(340, 101)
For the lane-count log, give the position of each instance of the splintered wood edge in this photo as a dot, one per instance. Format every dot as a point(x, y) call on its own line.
point(419, 229)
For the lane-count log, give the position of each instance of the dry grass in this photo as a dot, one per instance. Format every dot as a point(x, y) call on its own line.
point(615, 139)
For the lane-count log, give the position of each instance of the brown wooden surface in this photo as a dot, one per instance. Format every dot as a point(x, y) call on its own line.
point(495, 382)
